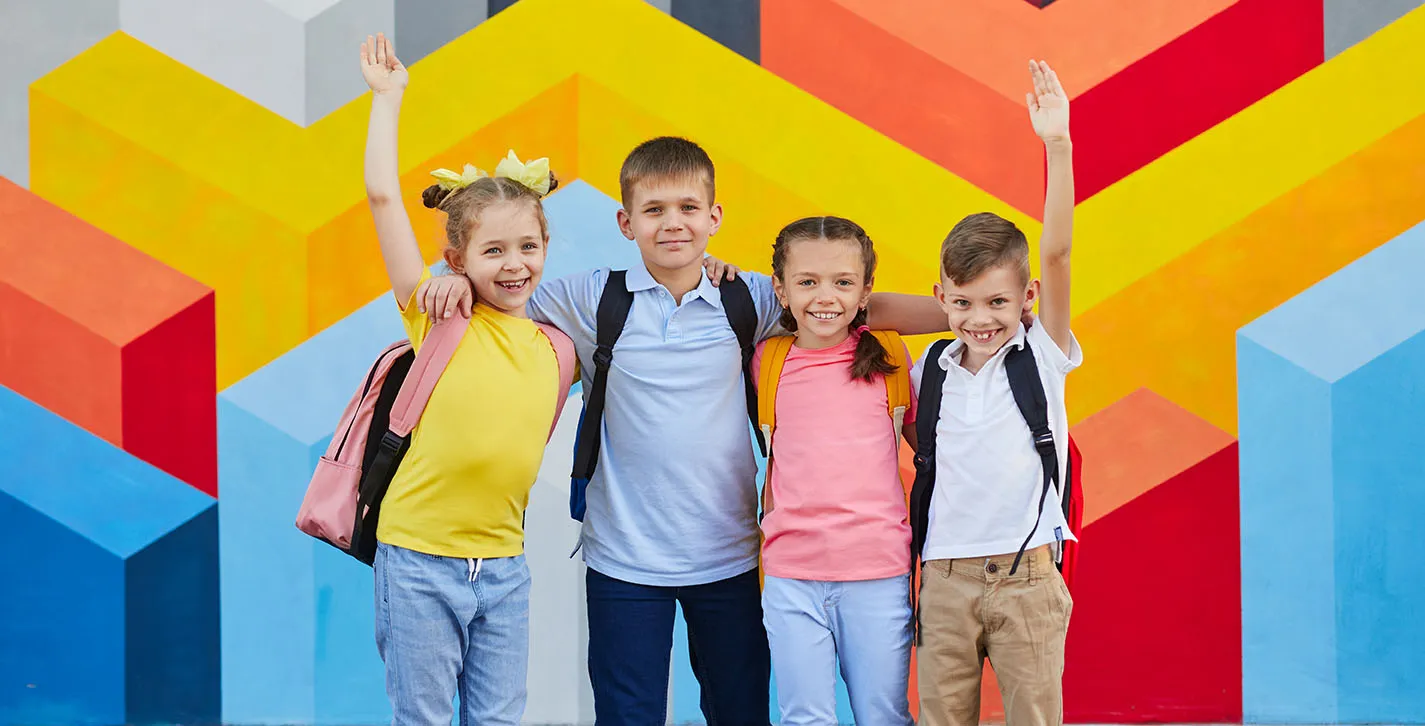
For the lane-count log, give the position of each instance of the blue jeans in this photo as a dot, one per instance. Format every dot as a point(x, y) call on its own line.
point(631, 639)
point(865, 625)
point(448, 626)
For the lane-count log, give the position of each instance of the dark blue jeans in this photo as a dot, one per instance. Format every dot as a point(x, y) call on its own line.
point(631, 639)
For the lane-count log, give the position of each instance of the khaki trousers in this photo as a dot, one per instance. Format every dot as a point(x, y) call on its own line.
point(973, 609)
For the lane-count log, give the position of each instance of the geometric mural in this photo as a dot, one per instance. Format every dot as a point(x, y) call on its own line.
point(191, 289)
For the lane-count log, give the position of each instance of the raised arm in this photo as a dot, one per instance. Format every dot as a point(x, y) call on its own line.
point(905, 314)
point(387, 78)
point(1049, 113)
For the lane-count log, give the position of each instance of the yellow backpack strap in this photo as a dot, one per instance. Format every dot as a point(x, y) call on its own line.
point(774, 356)
point(898, 383)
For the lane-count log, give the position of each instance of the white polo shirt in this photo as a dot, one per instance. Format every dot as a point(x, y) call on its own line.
point(988, 476)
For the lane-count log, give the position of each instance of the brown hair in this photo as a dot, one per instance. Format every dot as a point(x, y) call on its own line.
point(463, 206)
point(981, 242)
point(871, 357)
point(663, 158)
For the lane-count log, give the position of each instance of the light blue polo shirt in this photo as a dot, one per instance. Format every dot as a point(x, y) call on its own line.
point(674, 499)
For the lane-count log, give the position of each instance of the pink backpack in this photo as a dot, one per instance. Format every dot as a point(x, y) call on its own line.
point(343, 500)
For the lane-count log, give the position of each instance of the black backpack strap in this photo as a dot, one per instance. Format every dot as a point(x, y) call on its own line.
point(1028, 392)
point(927, 415)
point(742, 315)
point(614, 304)
point(932, 381)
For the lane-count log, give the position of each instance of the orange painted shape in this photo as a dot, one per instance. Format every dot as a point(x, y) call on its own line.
point(1136, 444)
point(107, 337)
point(991, 41)
point(1175, 330)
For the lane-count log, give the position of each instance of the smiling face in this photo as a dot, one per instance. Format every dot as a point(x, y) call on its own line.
point(823, 284)
point(984, 312)
point(504, 257)
point(671, 219)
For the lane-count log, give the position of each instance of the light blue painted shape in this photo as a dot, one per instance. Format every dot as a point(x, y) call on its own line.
point(97, 543)
point(298, 643)
point(583, 232)
point(94, 488)
point(1331, 393)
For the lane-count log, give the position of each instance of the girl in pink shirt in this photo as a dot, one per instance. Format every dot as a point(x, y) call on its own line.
point(836, 555)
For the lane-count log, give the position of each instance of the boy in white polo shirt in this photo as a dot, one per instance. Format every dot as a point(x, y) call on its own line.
point(983, 520)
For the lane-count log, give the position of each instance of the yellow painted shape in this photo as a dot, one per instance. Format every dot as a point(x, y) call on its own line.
point(270, 215)
point(1217, 179)
point(1175, 330)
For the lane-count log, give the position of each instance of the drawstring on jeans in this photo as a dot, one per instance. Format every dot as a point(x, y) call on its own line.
point(475, 565)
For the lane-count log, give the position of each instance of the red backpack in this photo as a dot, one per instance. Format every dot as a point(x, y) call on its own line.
point(343, 500)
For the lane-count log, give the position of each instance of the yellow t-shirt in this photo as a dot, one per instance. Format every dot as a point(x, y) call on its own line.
point(462, 488)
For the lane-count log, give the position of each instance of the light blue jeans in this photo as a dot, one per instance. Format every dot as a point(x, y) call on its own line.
point(448, 626)
point(864, 625)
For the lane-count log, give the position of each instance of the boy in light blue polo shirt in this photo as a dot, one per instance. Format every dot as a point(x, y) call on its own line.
point(671, 512)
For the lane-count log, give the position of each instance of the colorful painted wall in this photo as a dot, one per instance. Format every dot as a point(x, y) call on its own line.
point(190, 288)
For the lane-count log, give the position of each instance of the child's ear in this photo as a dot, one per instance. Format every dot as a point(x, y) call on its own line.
point(455, 260)
point(625, 223)
point(939, 292)
point(1031, 294)
point(779, 291)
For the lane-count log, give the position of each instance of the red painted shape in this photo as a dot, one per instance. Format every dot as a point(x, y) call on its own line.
point(1190, 85)
point(1156, 633)
point(169, 375)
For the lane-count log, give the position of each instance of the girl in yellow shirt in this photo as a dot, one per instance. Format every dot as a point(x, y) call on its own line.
point(452, 587)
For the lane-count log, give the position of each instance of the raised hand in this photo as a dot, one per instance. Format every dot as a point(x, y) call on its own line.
point(380, 67)
point(1048, 104)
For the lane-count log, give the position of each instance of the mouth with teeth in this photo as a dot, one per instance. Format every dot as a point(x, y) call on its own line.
point(513, 285)
point(982, 336)
point(823, 315)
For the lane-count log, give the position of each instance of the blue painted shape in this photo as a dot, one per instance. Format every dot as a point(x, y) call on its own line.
point(1331, 393)
point(101, 547)
point(298, 644)
point(583, 232)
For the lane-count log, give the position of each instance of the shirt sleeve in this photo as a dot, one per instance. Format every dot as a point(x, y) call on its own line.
point(757, 365)
point(417, 323)
point(769, 311)
point(1048, 351)
point(570, 303)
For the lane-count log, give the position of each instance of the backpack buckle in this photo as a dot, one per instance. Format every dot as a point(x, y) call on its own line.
point(603, 356)
point(1044, 443)
point(391, 443)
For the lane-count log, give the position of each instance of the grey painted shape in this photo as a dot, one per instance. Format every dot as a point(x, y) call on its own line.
point(251, 47)
point(1348, 22)
point(43, 35)
point(296, 58)
point(424, 26)
point(736, 24)
point(333, 49)
point(496, 6)
point(664, 5)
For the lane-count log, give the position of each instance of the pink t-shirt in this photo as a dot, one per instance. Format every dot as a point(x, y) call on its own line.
point(838, 506)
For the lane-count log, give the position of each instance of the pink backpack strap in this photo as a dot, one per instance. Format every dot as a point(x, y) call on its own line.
point(564, 352)
point(435, 353)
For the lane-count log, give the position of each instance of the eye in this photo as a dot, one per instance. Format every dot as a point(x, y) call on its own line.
point(653, 210)
point(530, 247)
point(998, 301)
point(844, 283)
point(690, 207)
point(805, 283)
point(962, 303)
point(494, 251)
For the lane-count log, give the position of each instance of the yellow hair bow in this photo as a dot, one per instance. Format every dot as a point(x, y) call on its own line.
point(450, 181)
point(534, 174)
